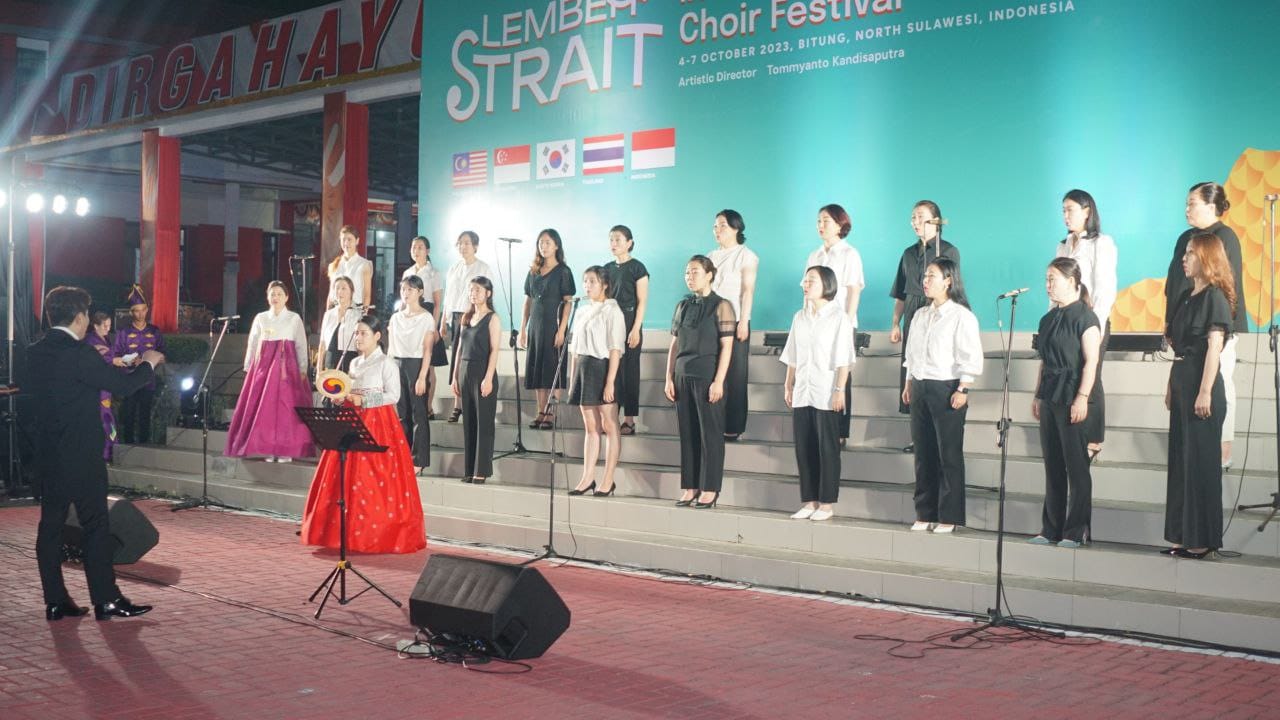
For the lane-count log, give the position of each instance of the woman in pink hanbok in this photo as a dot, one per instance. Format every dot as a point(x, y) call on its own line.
point(275, 366)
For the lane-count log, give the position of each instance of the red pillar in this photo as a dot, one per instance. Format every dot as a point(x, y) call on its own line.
point(344, 198)
point(161, 226)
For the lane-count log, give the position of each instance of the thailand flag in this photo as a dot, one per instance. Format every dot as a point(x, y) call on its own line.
point(511, 164)
point(556, 158)
point(653, 149)
point(602, 154)
point(470, 168)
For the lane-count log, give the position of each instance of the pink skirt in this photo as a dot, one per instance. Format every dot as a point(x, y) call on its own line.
point(264, 422)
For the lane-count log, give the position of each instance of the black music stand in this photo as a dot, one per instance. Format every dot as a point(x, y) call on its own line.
point(341, 429)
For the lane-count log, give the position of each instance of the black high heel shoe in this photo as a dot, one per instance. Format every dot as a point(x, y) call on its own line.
point(686, 503)
point(584, 490)
point(1190, 555)
point(612, 487)
point(703, 506)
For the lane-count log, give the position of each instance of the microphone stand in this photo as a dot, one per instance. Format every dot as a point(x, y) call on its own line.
point(202, 392)
point(301, 288)
point(996, 616)
point(1273, 333)
point(549, 550)
point(518, 447)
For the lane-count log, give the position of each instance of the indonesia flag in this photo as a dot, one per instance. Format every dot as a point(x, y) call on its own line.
point(602, 154)
point(653, 149)
point(511, 164)
point(470, 168)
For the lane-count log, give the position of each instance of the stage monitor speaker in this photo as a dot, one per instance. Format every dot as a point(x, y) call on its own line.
point(132, 533)
point(512, 610)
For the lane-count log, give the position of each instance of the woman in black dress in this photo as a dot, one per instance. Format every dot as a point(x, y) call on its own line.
point(475, 380)
point(548, 290)
point(629, 281)
point(697, 362)
point(1206, 203)
point(1198, 328)
point(1069, 342)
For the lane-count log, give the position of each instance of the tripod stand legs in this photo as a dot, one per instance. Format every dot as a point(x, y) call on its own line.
point(338, 577)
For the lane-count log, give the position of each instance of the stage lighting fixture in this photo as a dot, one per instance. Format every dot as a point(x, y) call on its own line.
point(189, 415)
point(35, 202)
point(59, 204)
point(82, 206)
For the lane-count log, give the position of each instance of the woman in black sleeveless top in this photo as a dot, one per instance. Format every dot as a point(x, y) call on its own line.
point(1068, 341)
point(475, 380)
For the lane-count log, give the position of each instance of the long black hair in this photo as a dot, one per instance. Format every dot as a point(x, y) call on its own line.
point(487, 284)
point(1093, 224)
point(951, 271)
point(415, 282)
point(537, 251)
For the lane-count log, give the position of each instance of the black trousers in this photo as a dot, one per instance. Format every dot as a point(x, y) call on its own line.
point(817, 453)
point(1193, 511)
point(135, 417)
point(735, 387)
point(909, 308)
point(629, 388)
point(937, 430)
point(479, 414)
point(702, 428)
point(1068, 484)
point(89, 495)
point(1096, 423)
point(412, 409)
point(455, 336)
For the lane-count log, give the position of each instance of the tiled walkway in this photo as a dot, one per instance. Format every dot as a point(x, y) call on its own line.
point(637, 648)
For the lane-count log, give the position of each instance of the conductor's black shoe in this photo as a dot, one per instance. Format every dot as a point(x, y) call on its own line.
point(120, 607)
point(66, 608)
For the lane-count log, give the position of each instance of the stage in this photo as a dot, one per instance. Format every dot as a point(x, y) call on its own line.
point(232, 637)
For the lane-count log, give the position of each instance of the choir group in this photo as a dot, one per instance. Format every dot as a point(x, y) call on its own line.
point(706, 371)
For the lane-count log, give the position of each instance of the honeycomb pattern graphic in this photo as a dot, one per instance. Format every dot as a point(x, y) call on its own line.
point(1256, 173)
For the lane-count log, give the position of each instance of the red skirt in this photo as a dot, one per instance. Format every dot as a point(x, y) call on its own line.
point(384, 512)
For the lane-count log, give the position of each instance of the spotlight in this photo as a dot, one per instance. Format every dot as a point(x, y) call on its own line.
point(189, 405)
point(59, 204)
point(35, 202)
point(4, 198)
point(82, 206)
point(188, 383)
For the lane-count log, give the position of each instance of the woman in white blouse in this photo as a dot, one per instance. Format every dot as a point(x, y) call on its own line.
point(432, 298)
point(411, 337)
point(337, 329)
point(385, 510)
point(735, 281)
point(1097, 257)
point(457, 300)
point(818, 355)
point(944, 357)
point(275, 367)
point(595, 352)
point(350, 264)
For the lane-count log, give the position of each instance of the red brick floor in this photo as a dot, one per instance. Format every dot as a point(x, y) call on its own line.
point(637, 648)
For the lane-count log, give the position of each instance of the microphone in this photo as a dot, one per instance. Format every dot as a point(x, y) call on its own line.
point(515, 241)
point(1012, 293)
point(225, 318)
point(1271, 198)
point(303, 257)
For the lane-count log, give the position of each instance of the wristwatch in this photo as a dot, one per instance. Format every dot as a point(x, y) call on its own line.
point(963, 391)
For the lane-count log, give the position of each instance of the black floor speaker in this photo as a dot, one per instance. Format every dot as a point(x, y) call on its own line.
point(512, 610)
point(131, 531)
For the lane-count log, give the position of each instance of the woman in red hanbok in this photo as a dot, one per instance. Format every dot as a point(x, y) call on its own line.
point(384, 511)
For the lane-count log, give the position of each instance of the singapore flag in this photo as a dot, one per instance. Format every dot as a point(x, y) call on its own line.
point(556, 159)
point(511, 164)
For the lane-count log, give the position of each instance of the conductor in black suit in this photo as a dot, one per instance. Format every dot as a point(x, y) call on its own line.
point(65, 376)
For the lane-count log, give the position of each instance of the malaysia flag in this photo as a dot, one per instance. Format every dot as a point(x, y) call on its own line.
point(653, 148)
point(470, 168)
point(511, 164)
point(556, 158)
point(602, 154)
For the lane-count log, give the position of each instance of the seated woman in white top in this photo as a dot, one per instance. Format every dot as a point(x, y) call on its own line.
point(275, 368)
point(595, 353)
point(351, 265)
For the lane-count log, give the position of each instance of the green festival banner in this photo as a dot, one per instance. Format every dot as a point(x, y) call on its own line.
point(583, 114)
